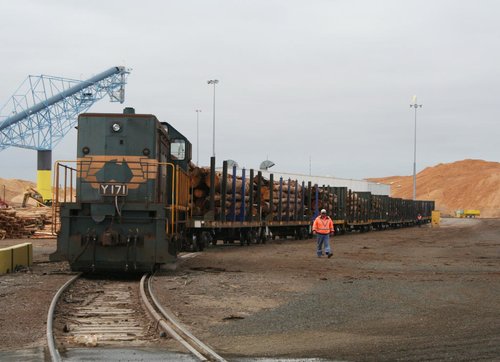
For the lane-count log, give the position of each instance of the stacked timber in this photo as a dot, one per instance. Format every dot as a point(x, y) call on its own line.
point(280, 200)
point(20, 224)
point(200, 190)
point(286, 204)
point(359, 205)
point(326, 198)
point(378, 206)
point(200, 181)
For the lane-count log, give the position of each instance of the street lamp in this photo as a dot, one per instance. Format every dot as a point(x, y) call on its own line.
point(415, 105)
point(265, 165)
point(197, 136)
point(214, 82)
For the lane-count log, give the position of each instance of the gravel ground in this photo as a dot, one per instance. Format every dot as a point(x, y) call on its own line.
point(25, 298)
point(410, 294)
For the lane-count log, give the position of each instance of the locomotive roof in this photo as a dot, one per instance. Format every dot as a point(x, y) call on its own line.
point(118, 115)
point(172, 131)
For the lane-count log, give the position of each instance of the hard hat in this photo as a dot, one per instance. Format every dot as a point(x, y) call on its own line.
point(323, 211)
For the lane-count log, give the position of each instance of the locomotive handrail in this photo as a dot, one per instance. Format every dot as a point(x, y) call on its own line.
point(56, 191)
point(179, 194)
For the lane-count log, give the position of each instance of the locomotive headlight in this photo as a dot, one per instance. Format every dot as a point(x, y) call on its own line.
point(116, 127)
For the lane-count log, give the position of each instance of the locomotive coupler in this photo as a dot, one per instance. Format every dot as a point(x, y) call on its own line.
point(110, 238)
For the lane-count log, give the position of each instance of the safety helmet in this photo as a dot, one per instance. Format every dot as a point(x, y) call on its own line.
point(323, 211)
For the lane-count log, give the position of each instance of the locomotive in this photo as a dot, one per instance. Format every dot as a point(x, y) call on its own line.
point(132, 194)
point(134, 206)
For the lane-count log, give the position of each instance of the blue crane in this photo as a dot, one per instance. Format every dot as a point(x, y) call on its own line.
point(45, 108)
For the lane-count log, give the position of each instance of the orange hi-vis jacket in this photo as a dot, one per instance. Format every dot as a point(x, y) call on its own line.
point(323, 226)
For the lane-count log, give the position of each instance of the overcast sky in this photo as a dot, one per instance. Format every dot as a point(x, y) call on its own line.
point(329, 81)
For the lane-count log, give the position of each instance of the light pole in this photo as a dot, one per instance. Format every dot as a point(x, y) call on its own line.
point(415, 105)
point(197, 136)
point(214, 82)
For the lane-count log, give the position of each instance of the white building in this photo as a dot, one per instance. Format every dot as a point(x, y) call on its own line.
point(354, 185)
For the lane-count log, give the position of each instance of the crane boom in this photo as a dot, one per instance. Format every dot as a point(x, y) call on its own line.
point(58, 97)
point(39, 117)
point(45, 108)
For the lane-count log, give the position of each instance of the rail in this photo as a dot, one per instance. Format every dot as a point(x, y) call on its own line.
point(54, 353)
point(173, 327)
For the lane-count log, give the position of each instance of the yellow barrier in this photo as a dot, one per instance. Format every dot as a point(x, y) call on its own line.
point(5, 260)
point(436, 218)
point(15, 256)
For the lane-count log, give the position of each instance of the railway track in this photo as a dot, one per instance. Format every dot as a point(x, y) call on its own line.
point(86, 313)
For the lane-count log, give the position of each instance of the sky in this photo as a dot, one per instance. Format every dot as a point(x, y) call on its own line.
point(317, 86)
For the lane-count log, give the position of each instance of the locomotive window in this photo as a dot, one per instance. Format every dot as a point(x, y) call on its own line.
point(178, 149)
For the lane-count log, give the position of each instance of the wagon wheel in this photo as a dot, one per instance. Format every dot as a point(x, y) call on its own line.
point(243, 237)
point(252, 237)
point(263, 237)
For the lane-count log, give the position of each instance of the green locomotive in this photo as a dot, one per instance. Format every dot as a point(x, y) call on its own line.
point(131, 194)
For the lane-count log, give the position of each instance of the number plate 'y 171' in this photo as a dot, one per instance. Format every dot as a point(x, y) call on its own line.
point(113, 190)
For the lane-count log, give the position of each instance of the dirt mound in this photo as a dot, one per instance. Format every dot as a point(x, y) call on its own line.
point(467, 184)
point(14, 190)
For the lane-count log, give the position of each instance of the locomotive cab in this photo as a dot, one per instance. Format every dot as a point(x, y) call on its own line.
point(180, 147)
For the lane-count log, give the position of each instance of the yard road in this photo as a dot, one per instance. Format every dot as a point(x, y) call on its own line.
point(408, 294)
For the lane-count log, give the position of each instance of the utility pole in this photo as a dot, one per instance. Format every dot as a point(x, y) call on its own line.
point(415, 105)
point(214, 82)
point(198, 136)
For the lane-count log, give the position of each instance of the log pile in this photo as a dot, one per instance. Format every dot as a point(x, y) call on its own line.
point(200, 185)
point(326, 198)
point(200, 190)
point(291, 195)
point(23, 223)
point(358, 206)
point(378, 205)
point(291, 198)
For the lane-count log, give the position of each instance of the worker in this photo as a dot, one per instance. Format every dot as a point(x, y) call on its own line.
point(323, 227)
point(419, 219)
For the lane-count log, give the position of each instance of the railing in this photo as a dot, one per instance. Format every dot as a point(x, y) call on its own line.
point(180, 199)
point(57, 198)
